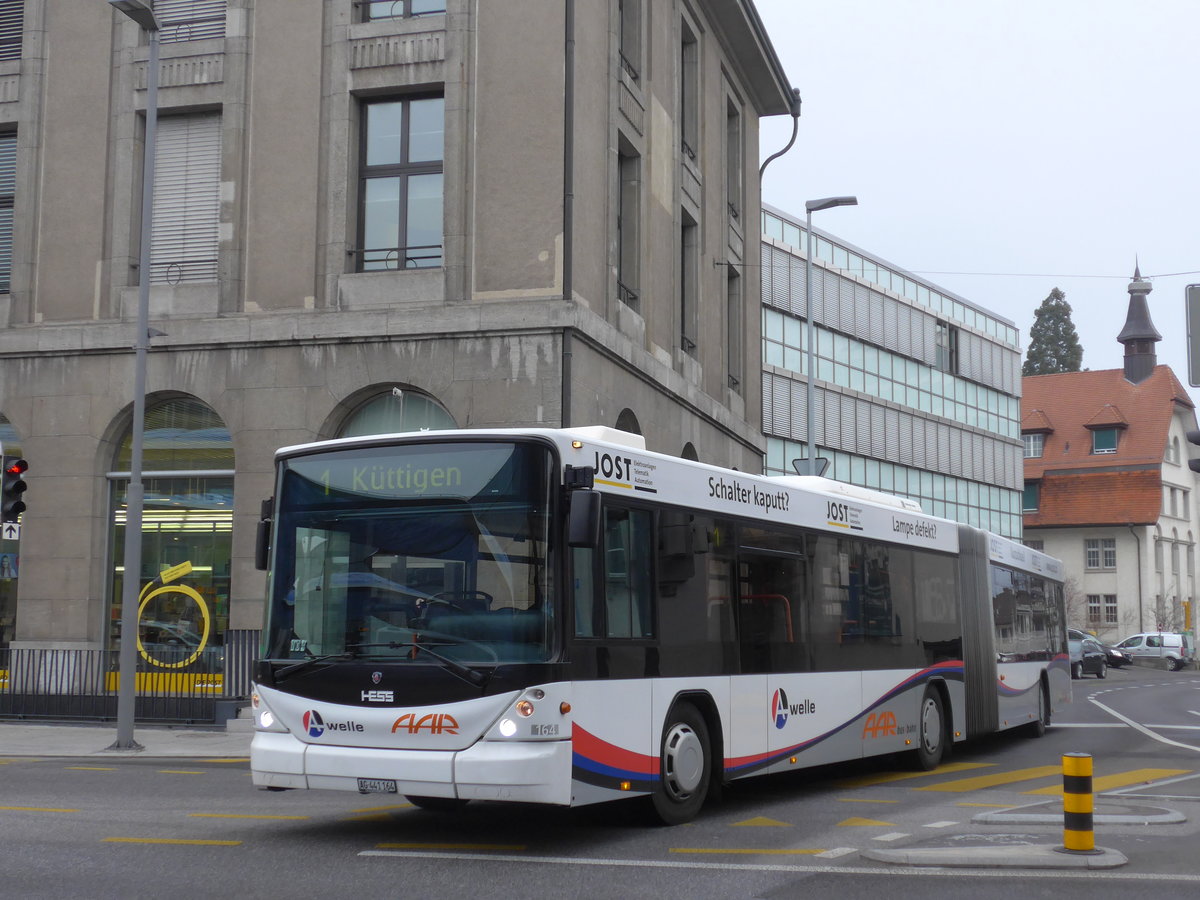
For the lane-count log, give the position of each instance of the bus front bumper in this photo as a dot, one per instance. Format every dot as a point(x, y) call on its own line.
point(519, 771)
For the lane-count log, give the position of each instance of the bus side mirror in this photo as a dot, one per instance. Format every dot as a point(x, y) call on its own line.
point(262, 538)
point(583, 519)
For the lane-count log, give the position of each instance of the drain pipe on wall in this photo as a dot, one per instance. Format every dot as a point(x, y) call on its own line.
point(1137, 540)
point(568, 203)
point(795, 111)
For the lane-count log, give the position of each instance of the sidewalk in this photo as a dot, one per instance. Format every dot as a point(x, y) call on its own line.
point(23, 739)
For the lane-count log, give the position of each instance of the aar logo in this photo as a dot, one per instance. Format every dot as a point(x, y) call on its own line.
point(779, 708)
point(314, 725)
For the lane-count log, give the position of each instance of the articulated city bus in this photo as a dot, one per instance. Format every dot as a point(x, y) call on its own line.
point(563, 617)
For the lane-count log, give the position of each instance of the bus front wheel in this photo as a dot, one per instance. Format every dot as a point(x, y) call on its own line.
point(685, 767)
point(931, 731)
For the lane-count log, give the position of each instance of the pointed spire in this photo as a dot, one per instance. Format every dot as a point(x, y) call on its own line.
point(1139, 334)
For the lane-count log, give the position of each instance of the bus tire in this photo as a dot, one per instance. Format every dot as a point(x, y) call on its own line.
point(1037, 728)
point(931, 731)
point(437, 804)
point(685, 766)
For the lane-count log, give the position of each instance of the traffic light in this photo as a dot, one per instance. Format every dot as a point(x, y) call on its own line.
point(13, 503)
point(1194, 438)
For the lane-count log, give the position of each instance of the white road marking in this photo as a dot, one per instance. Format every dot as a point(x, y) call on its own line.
point(1142, 728)
point(946, 824)
point(891, 836)
point(836, 852)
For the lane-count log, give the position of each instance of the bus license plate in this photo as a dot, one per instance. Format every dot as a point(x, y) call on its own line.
point(376, 786)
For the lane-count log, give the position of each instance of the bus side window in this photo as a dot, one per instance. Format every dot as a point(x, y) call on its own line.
point(628, 570)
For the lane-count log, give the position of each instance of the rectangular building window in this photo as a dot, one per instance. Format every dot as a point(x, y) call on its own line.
point(689, 320)
point(400, 202)
point(1100, 553)
point(8, 191)
point(629, 192)
point(189, 20)
point(184, 230)
point(629, 33)
point(1031, 496)
point(733, 161)
point(735, 330)
point(946, 348)
point(1110, 609)
point(1093, 609)
point(12, 23)
point(1040, 546)
point(689, 91)
point(1104, 440)
point(1034, 444)
point(399, 9)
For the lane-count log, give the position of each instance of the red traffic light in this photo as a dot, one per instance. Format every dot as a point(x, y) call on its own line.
point(16, 467)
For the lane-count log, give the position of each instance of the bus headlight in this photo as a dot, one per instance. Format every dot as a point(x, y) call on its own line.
point(508, 727)
point(264, 719)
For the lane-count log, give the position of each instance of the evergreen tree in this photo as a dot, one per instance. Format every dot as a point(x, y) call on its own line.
point(1053, 342)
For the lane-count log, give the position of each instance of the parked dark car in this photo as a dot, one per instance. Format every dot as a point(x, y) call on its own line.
point(1088, 658)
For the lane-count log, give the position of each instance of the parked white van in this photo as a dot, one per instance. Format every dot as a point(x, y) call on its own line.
point(1177, 649)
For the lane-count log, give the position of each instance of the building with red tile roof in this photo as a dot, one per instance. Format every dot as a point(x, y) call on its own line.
point(1107, 485)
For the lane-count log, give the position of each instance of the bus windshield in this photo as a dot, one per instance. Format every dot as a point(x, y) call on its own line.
point(413, 553)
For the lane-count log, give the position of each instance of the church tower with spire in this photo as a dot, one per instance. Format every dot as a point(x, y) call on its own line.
point(1139, 334)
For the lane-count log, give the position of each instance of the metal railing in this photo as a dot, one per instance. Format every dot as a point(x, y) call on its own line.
point(174, 687)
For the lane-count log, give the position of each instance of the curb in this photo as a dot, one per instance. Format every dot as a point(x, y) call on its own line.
point(1030, 856)
point(1025, 815)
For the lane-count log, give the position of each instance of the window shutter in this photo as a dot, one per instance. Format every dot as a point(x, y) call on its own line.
point(190, 20)
point(8, 188)
point(187, 207)
point(12, 23)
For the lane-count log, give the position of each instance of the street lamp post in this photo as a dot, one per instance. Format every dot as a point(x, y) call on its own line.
point(142, 12)
point(809, 393)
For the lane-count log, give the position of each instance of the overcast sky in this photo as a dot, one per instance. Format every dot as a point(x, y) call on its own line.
point(1027, 144)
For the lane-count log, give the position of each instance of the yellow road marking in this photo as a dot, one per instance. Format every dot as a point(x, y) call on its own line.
point(178, 772)
point(988, 805)
point(124, 840)
point(750, 851)
point(450, 846)
point(962, 785)
point(36, 809)
point(1122, 779)
point(239, 816)
point(857, 822)
point(887, 777)
point(373, 809)
point(762, 820)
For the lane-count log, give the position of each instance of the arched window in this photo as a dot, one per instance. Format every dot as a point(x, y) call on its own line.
point(396, 412)
point(187, 524)
point(689, 452)
point(628, 422)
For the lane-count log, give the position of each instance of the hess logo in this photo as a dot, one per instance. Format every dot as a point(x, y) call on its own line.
point(433, 723)
point(781, 709)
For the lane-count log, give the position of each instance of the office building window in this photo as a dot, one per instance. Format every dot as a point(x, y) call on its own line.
point(184, 235)
point(1039, 546)
point(733, 161)
point(629, 33)
point(399, 9)
point(8, 190)
point(689, 92)
point(1034, 444)
point(1100, 553)
point(946, 348)
point(396, 412)
point(400, 201)
point(190, 20)
point(12, 23)
point(735, 329)
point(629, 192)
point(1104, 440)
point(688, 289)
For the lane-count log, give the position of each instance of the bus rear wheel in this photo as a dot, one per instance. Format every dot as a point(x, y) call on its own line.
point(685, 767)
point(931, 731)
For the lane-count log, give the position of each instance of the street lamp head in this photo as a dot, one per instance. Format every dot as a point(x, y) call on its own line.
point(141, 11)
point(825, 203)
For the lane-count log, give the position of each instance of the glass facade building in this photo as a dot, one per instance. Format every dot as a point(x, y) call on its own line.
point(917, 391)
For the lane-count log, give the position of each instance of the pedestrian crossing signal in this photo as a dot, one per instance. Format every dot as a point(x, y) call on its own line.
point(13, 502)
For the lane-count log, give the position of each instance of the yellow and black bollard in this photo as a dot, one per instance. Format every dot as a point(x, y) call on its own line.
point(1078, 804)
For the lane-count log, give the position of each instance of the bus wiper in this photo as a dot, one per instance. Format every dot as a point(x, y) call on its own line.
point(465, 672)
point(305, 663)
